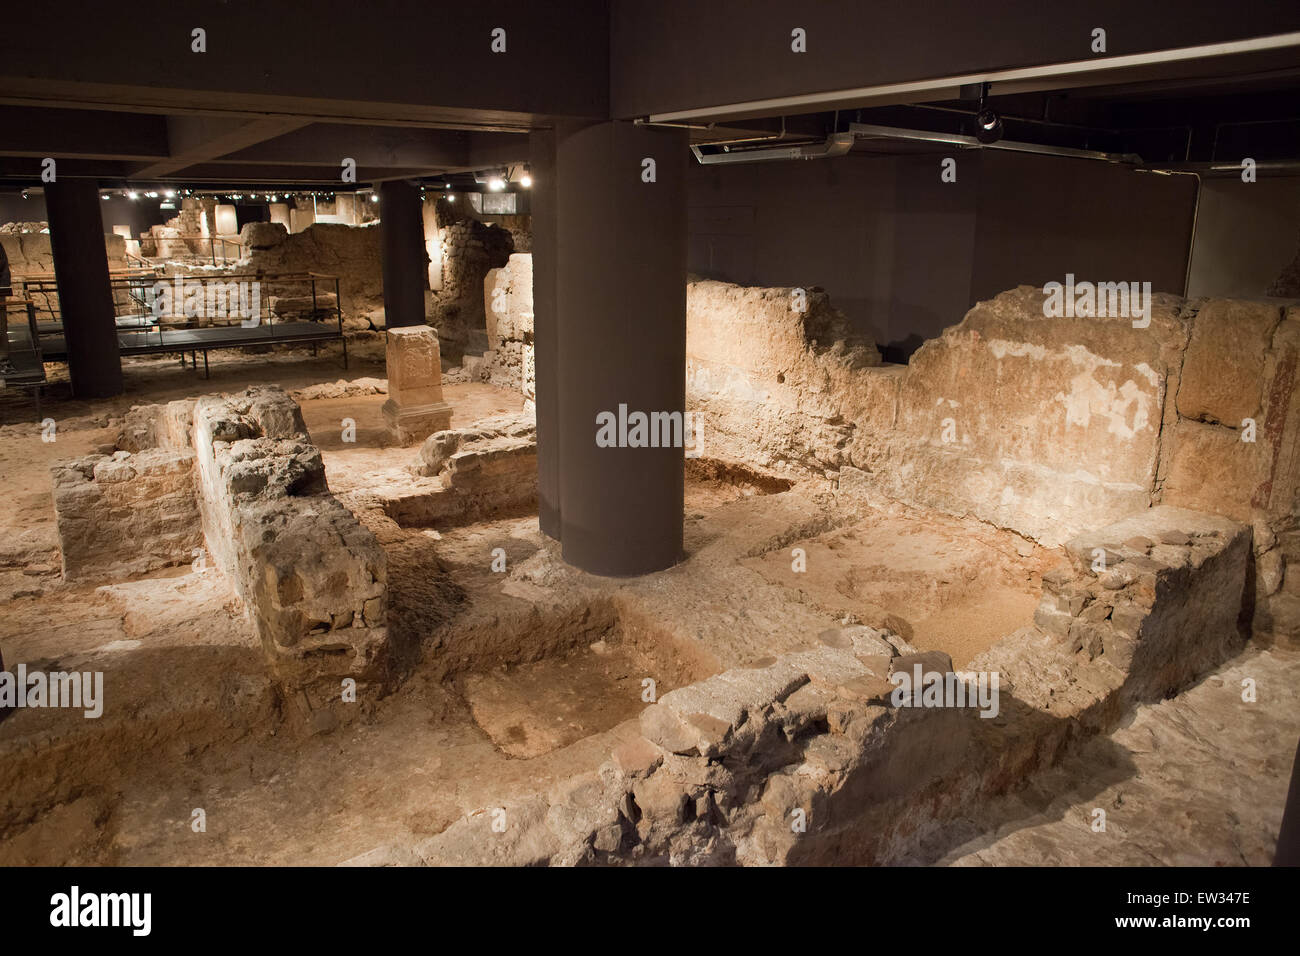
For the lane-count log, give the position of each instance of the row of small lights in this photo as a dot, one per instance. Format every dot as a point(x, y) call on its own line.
point(496, 184)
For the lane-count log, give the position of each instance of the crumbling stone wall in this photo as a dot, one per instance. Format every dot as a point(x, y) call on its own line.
point(490, 467)
point(1238, 381)
point(774, 375)
point(508, 294)
point(485, 470)
point(125, 513)
point(183, 235)
point(350, 252)
point(1046, 426)
point(238, 476)
point(1132, 592)
point(312, 578)
point(816, 756)
point(470, 249)
point(30, 252)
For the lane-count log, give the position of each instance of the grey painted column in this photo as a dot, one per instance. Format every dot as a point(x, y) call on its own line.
point(546, 331)
point(621, 314)
point(405, 262)
point(85, 296)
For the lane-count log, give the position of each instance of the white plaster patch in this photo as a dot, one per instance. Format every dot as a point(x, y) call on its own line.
point(1088, 397)
point(113, 647)
point(1150, 374)
point(1001, 348)
point(1077, 354)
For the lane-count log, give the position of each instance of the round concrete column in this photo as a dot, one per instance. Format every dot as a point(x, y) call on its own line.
point(85, 296)
point(405, 262)
point(620, 260)
point(546, 328)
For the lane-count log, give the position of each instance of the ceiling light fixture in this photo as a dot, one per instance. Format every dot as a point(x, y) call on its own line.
point(988, 125)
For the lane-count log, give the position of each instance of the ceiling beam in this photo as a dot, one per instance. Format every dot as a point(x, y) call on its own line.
point(89, 134)
point(327, 144)
point(197, 139)
point(277, 173)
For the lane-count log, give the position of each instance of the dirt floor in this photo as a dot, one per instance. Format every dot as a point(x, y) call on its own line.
point(529, 677)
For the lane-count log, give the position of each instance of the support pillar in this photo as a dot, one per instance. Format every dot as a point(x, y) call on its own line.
point(618, 260)
point(403, 255)
point(546, 330)
point(85, 296)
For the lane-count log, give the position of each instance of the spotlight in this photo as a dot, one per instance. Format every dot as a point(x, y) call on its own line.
point(170, 194)
point(103, 195)
point(496, 184)
point(988, 126)
point(526, 181)
point(374, 197)
point(132, 195)
point(451, 197)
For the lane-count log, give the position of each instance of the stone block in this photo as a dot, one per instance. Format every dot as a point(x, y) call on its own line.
point(1223, 370)
point(410, 424)
point(126, 514)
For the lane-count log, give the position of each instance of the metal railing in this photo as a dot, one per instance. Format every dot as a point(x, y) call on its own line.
point(21, 362)
point(222, 250)
point(231, 309)
point(128, 287)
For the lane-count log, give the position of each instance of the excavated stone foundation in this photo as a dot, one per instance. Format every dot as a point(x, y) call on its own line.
point(906, 590)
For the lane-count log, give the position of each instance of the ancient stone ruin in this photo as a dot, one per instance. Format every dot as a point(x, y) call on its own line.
point(650, 434)
point(1028, 501)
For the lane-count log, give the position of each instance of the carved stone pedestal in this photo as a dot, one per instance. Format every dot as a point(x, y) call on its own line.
point(415, 408)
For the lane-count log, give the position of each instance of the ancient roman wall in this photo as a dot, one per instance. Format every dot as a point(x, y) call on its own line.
point(822, 753)
point(1046, 426)
point(312, 578)
point(777, 377)
point(350, 252)
point(508, 297)
point(469, 249)
point(125, 513)
point(239, 477)
point(29, 252)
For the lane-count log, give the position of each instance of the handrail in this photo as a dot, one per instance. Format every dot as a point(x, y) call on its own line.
point(133, 290)
point(211, 240)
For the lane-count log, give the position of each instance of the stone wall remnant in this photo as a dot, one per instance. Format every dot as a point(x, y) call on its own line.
point(1047, 426)
point(350, 252)
point(469, 250)
point(508, 294)
point(312, 578)
point(29, 252)
point(772, 375)
point(822, 755)
point(1131, 593)
point(126, 513)
point(239, 477)
point(485, 470)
